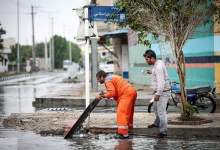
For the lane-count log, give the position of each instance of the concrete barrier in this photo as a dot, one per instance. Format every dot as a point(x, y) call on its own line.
point(14, 77)
point(77, 102)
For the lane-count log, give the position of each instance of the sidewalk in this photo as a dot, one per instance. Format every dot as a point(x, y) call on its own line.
point(73, 95)
point(53, 123)
point(142, 120)
point(9, 76)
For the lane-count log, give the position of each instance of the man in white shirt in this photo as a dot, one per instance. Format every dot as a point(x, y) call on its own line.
point(161, 87)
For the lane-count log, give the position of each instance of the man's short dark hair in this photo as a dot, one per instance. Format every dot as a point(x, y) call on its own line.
point(150, 53)
point(100, 74)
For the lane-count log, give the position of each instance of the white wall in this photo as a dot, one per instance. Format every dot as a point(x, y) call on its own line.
point(3, 65)
point(124, 64)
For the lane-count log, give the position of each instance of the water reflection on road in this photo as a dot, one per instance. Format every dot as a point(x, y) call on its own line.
point(16, 96)
point(27, 140)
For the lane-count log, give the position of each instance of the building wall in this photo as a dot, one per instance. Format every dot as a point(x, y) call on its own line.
point(4, 63)
point(121, 50)
point(8, 42)
point(105, 2)
point(124, 60)
point(217, 53)
point(202, 65)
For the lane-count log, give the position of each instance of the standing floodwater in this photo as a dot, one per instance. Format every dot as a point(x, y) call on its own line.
point(17, 97)
point(11, 140)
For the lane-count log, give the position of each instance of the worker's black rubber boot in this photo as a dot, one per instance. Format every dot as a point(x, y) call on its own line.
point(162, 135)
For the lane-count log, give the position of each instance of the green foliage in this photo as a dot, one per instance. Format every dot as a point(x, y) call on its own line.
point(187, 111)
point(61, 49)
point(76, 53)
point(176, 20)
point(13, 55)
point(166, 17)
point(39, 48)
point(25, 53)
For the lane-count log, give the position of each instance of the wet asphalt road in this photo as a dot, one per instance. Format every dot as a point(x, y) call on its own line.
point(16, 96)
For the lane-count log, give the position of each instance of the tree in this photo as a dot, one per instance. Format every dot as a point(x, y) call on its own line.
point(61, 51)
point(175, 20)
point(76, 53)
point(25, 53)
point(12, 56)
point(40, 49)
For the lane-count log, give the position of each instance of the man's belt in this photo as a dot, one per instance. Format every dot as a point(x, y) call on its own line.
point(163, 91)
point(166, 90)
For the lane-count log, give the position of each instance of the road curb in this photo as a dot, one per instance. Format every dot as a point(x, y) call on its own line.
point(14, 77)
point(43, 102)
point(47, 102)
point(177, 133)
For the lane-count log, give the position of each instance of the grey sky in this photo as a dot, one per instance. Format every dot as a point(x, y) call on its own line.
point(65, 20)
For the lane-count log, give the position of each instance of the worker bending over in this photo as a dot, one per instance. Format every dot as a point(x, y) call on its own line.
point(125, 96)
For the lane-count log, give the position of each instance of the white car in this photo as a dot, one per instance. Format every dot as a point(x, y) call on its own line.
point(108, 66)
point(73, 70)
point(66, 64)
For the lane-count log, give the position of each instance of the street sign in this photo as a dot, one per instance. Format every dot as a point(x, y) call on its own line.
point(106, 13)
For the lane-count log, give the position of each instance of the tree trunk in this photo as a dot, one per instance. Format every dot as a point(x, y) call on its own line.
point(181, 74)
point(187, 109)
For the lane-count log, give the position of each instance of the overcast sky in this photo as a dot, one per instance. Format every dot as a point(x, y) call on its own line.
point(65, 19)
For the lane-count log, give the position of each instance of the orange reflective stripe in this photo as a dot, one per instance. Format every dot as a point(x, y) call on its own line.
point(123, 127)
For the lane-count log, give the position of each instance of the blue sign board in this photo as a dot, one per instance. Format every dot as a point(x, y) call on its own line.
point(106, 13)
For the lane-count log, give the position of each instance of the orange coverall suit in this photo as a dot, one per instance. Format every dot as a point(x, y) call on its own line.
point(125, 96)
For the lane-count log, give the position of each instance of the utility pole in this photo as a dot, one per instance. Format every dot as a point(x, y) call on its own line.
point(86, 52)
point(46, 55)
point(52, 46)
point(94, 43)
point(70, 51)
point(18, 39)
point(94, 63)
point(87, 73)
point(50, 54)
point(33, 39)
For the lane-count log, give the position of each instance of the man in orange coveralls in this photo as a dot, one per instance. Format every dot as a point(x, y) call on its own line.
point(125, 96)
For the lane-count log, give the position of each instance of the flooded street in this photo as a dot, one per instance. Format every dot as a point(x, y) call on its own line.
point(17, 97)
point(14, 140)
